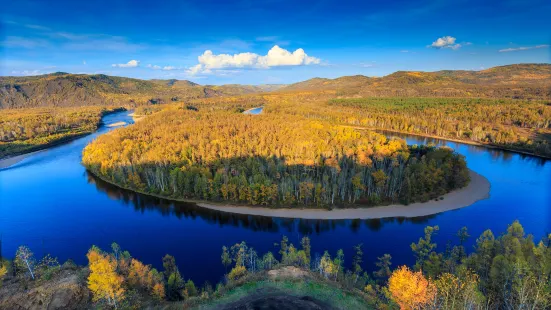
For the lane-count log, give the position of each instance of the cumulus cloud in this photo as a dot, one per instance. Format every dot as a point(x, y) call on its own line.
point(130, 64)
point(523, 48)
point(276, 57)
point(445, 42)
point(154, 67)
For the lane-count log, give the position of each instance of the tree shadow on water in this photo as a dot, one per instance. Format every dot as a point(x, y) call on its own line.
point(182, 210)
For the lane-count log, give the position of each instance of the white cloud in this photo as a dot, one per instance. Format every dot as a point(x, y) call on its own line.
point(404, 51)
point(522, 48)
point(267, 39)
point(445, 42)
point(84, 62)
point(130, 64)
point(276, 57)
point(367, 65)
point(20, 42)
point(195, 69)
point(165, 68)
point(154, 67)
point(27, 72)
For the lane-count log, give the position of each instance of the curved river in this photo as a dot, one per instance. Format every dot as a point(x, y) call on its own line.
point(49, 202)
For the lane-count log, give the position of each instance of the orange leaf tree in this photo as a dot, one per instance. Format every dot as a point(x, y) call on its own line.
point(411, 290)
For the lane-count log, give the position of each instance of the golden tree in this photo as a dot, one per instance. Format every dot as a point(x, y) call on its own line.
point(237, 273)
point(158, 291)
point(458, 292)
point(3, 272)
point(103, 281)
point(139, 274)
point(411, 290)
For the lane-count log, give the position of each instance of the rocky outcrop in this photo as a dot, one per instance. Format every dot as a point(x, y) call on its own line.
point(64, 291)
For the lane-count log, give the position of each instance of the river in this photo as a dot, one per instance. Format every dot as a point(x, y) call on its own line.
point(50, 203)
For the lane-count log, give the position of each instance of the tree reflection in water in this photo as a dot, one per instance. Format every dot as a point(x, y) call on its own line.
point(145, 203)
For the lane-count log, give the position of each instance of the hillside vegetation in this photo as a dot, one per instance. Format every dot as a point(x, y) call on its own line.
point(522, 81)
point(506, 271)
point(27, 130)
point(64, 90)
point(523, 125)
point(506, 106)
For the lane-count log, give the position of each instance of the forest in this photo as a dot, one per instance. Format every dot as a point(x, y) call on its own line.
point(506, 107)
point(27, 130)
point(506, 271)
point(270, 160)
point(522, 125)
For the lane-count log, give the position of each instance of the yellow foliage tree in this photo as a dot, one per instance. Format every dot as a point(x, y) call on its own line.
point(237, 273)
point(139, 274)
point(103, 281)
point(411, 290)
point(3, 272)
point(158, 291)
point(458, 292)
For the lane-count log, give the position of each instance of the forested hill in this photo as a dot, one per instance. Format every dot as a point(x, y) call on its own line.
point(64, 89)
point(526, 81)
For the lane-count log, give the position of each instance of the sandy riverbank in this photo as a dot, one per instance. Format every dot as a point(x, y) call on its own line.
point(478, 189)
point(117, 124)
point(10, 161)
point(136, 117)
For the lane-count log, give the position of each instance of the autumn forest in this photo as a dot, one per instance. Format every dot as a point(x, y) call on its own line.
point(270, 160)
point(160, 167)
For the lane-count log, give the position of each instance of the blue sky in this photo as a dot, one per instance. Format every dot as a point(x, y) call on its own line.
point(272, 41)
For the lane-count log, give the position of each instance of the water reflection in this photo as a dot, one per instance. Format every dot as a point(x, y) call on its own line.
point(495, 153)
point(145, 203)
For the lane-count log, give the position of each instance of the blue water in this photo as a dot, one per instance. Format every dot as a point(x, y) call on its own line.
point(254, 111)
point(50, 203)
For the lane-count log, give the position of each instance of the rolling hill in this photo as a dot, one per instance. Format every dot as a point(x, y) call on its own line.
point(64, 90)
point(529, 81)
point(526, 81)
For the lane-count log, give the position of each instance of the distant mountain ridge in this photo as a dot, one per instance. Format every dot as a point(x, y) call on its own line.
point(511, 81)
point(65, 89)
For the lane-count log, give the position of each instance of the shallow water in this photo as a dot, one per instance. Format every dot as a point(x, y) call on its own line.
point(254, 111)
point(49, 202)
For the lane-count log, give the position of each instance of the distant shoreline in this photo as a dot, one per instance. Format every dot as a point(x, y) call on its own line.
point(11, 160)
point(478, 189)
point(469, 142)
point(14, 159)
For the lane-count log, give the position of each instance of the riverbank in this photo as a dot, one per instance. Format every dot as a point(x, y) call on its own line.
point(13, 159)
point(136, 117)
point(117, 124)
point(478, 189)
point(10, 161)
point(469, 142)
